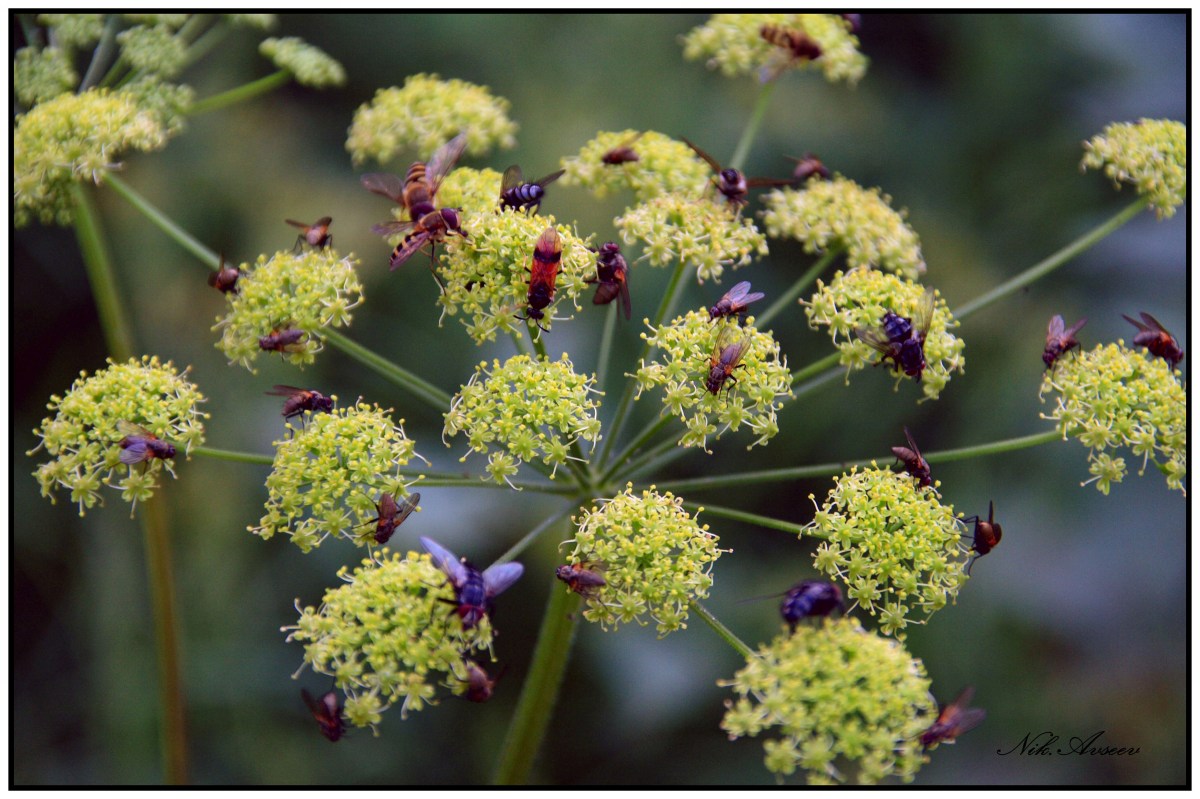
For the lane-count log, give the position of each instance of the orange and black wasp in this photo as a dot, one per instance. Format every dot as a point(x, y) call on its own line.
point(612, 275)
point(316, 235)
point(282, 340)
point(140, 445)
point(808, 166)
point(300, 400)
point(1155, 338)
point(792, 46)
point(987, 535)
point(902, 340)
point(1060, 339)
point(225, 278)
point(726, 356)
point(953, 720)
point(734, 302)
point(584, 579)
point(914, 464)
point(543, 275)
point(390, 514)
point(521, 196)
point(415, 193)
point(623, 153)
point(328, 713)
point(731, 183)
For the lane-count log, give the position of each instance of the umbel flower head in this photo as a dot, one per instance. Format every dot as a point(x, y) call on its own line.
point(425, 114)
point(1151, 154)
point(699, 231)
point(83, 437)
point(41, 74)
point(1113, 397)
point(387, 636)
point(656, 559)
point(284, 302)
point(734, 43)
point(486, 277)
point(328, 475)
point(897, 548)
point(153, 49)
point(860, 298)
point(310, 65)
point(840, 698)
point(74, 138)
point(474, 191)
point(524, 410)
point(663, 166)
point(74, 30)
point(750, 395)
point(839, 213)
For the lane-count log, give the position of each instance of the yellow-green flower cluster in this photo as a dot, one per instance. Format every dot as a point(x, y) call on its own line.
point(859, 298)
point(837, 695)
point(663, 166)
point(74, 30)
point(74, 137)
point(486, 276)
point(307, 292)
point(154, 50)
point(328, 475)
point(473, 191)
point(170, 21)
point(260, 21)
point(734, 44)
point(656, 559)
point(700, 231)
point(425, 114)
point(309, 64)
point(524, 410)
point(1151, 154)
point(1112, 397)
point(750, 395)
point(83, 439)
point(387, 634)
point(840, 213)
point(895, 546)
point(168, 101)
point(40, 74)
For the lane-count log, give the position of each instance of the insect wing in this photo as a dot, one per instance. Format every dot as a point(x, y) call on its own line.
point(874, 338)
point(958, 716)
point(497, 578)
point(731, 348)
point(280, 390)
point(625, 304)
point(1070, 332)
point(135, 452)
point(409, 247)
point(760, 183)
point(445, 560)
point(405, 507)
point(708, 159)
point(923, 316)
point(392, 228)
point(443, 161)
point(553, 176)
point(512, 179)
point(547, 257)
point(912, 445)
point(385, 185)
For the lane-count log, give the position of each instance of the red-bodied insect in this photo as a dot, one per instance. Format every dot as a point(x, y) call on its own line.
point(1060, 339)
point(300, 400)
point(480, 684)
point(225, 278)
point(953, 720)
point(543, 275)
point(415, 193)
point(282, 340)
point(1155, 338)
point(731, 183)
point(315, 235)
point(521, 196)
point(612, 275)
point(473, 590)
point(808, 166)
point(584, 579)
point(810, 599)
point(792, 46)
point(987, 535)
point(734, 302)
point(726, 356)
point(328, 713)
point(914, 464)
point(390, 514)
point(140, 445)
point(623, 153)
point(902, 340)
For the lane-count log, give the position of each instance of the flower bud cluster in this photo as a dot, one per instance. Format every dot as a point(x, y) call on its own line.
point(41, 74)
point(655, 557)
point(834, 693)
point(83, 436)
point(734, 44)
point(310, 65)
point(1112, 397)
point(153, 49)
point(74, 30)
point(663, 166)
point(524, 410)
point(1151, 154)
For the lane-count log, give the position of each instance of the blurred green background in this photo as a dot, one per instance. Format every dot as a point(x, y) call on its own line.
point(1076, 623)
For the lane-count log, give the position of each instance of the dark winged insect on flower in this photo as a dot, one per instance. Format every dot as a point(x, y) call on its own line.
point(731, 183)
point(953, 720)
point(902, 340)
point(543, 275)
point(735, 301)
point(1060, 339)
point(914, 464)
point(390, 514)
point(140, 445)
point(328, 713)
point(315, 235)
point(300, 400)
point(518, 195)
point(808, 166)
point(853, 22)
point(612, 275)
point(1155, 338)
point(791, 46)
point(810, 599)
point(480, 684)
point(623, 153)
point(225, 278)
point(282, 340)
point(987, 535)
point(726, 356)
point(584, 579)
point(473, 590)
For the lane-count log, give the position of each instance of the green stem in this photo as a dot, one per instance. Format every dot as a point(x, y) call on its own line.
point(427, 392)
point(163, 222)
point(466, 482)
point(789, 297)
point(655, 458)
point(540, 692)
point(113, 316)
point(748, 518)
point(1054, 261)
point(647, 434)
point(533, 534)
point(29, 27)
point(721, 629)
point(606, 339)
point(230, 455)
point(241, 93)
point(101, 54)
point(816, 367)
point(756, 118)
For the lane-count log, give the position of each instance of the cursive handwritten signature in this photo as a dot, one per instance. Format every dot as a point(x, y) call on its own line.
point(1043, 744)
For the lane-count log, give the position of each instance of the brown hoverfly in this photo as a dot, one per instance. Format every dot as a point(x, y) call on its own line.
point(792, 46)
point(914, 464)
point(987, 535)
point(225, 278)
point(140, 445)
point(480, 685)
point(282, 340)
point(726, 356)
point(390, 514)
point(902, 340)
point(300, 400)
point(731, 183)
point(953, 720)
point(1060, 339)
point(623, 153)
point(612, 275)
point(521, 196)
point(808, 166)
point(584, 579)
point(328, 713)
point(734, 302)
point(316, 235)
point(1155, 338)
